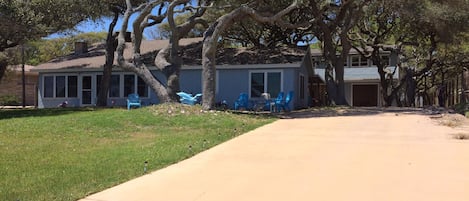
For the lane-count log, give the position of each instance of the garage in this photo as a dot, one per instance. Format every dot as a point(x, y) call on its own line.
point(365, 95)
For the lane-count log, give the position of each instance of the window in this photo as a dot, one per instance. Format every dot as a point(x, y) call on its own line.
point(49, 86)
point(72, 86)
point(274, 83)
point(302, 87)
point(60, 86)
point(114, 90)
point(257, 84)
point(98, 83)
point(384, 59)
point(142, 88)
point(355, 60)
point(363, 61)
point(265, 82)
point(129, 84)
point(358, 61)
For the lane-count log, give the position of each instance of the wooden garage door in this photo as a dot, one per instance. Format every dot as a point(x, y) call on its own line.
point(365, 95)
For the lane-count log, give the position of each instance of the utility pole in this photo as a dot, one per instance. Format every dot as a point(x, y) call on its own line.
point(23, 77)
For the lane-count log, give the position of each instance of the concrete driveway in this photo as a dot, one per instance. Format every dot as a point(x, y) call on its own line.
point(371, 157)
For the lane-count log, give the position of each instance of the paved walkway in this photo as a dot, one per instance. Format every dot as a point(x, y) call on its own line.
point(385, 157)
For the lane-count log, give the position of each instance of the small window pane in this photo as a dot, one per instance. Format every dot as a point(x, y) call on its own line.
point(273, 83)
point(98, 84)
point(257, 84)
point(355, 61)
point(86, 99)
point(142, 88)
point(86, 84)
point(49, 86)
point(129, 84)
point(72, 86)
point(363, 61)
point(115, 86)
point(385, 60)
point(60, 86)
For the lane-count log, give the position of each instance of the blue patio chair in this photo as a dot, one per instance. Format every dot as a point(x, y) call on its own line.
point(242, 102)
point(285, 104)
point(188, 99)
point(133, 100)
point(278, 101)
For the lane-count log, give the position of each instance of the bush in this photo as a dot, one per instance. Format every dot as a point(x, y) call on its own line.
point(9, 100)
point(462, 108)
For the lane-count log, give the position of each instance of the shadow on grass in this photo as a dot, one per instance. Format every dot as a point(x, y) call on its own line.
point(21, 113)
point(346, 111)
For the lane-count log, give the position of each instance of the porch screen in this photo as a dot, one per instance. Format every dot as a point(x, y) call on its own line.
point(129, 84)
point(48, 86)
point(142, 87)
point(60, 86)
point(72, 86)
point(114, 90)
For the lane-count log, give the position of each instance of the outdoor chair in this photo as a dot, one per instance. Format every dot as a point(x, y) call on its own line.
point(133, 100)
point(284, 104)
point(242, 102)
point(188, 99)
point(266, 102)
point(278, 101)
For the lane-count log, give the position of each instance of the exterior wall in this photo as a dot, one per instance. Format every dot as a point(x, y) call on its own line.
point(230, 83)
point(46, 102)
point(305, 101)
point(12, 85)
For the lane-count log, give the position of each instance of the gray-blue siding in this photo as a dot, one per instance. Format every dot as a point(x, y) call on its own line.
point(230, 83)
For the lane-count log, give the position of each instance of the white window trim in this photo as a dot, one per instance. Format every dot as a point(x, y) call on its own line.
point(265, 80)
point(360, 58)
point(93, 88)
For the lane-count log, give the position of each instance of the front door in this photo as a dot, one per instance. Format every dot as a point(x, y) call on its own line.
point(86, 91)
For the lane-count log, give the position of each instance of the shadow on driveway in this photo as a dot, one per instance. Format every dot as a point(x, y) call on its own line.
point(352, 111)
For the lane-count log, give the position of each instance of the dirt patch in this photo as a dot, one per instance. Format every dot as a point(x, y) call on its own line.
point(451, 120)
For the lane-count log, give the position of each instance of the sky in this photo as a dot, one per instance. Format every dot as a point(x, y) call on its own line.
point(101, 25)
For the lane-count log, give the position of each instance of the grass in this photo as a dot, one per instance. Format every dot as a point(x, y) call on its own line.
point(66, 154)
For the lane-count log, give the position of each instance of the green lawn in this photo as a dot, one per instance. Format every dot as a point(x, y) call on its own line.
point(66, 154)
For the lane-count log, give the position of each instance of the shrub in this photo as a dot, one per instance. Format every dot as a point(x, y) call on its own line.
point(461, 108)
point(9, 100)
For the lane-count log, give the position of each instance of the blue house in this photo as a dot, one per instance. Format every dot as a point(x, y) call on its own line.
point(76, 77)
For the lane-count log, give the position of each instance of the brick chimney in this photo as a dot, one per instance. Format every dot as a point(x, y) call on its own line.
point(81, 47)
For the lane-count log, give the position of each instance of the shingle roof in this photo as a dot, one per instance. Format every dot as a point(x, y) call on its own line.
point(95, 57)
point(191, 55)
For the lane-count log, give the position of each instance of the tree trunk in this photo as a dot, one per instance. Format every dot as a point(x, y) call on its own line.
point(208, 72)
point(3, 67)
point(107, 69)
point(339, 79)
point(137, 66)
point(211, 37)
